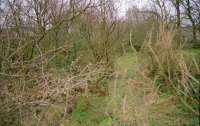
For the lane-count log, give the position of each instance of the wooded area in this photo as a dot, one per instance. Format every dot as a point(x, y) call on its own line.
point(79, 63)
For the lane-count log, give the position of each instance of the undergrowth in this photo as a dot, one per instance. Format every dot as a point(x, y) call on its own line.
point(155, 86)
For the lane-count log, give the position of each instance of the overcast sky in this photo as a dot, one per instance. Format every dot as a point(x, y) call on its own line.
point(123, 5)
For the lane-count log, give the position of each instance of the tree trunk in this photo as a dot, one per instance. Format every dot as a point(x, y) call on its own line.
point(194, 31)
point(189, 14)
point(178, 15)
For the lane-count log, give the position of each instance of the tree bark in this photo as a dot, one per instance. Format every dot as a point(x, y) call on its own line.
point(189, 14)
point(178, 13)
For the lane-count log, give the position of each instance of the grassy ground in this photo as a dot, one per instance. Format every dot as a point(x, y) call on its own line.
point(132, 99)
point(93, 110)
point(165, 110)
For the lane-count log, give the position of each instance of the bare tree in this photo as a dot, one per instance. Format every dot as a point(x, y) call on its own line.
point(192, 14)
point(160, 7)
point(177, 5)
point(98, 25)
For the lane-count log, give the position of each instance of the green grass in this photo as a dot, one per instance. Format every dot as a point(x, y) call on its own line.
point(126, 62)
point(91, 110)
point(192, 53)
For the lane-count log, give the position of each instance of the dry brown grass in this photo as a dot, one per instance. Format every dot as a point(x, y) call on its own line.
point(173, 68)
point(138, 99)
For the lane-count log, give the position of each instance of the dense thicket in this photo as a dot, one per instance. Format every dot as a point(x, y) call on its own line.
point(53, 51)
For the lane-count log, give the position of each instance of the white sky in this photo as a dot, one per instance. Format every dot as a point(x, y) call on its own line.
point(123, 5)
